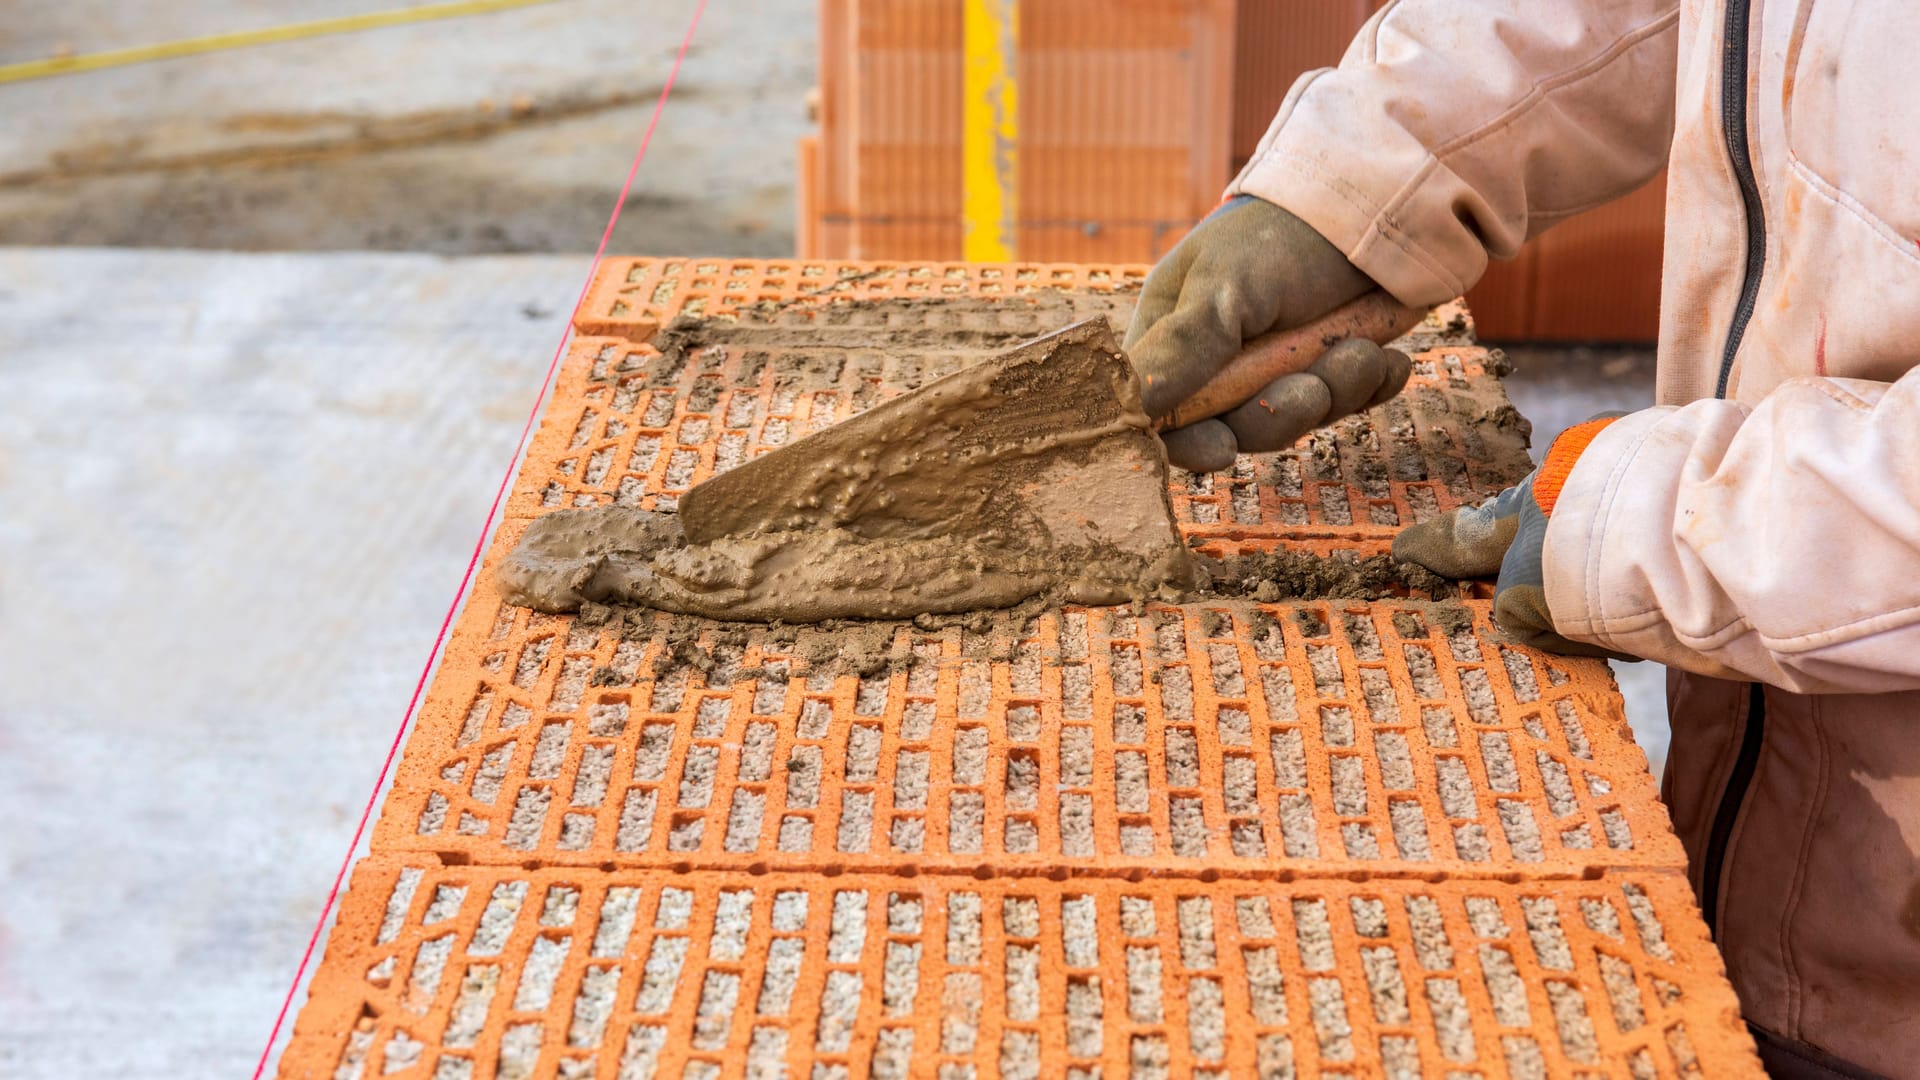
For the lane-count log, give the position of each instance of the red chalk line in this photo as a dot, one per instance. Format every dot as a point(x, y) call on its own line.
point(479, 544)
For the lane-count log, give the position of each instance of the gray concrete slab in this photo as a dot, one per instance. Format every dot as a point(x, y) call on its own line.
point(240, 491)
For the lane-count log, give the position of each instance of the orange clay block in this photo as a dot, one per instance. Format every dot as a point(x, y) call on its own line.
point(462, 971)
point(1121, 133)
point(1236, 739)
point(1299, 838)
point(634, 297)
point(1275, 44)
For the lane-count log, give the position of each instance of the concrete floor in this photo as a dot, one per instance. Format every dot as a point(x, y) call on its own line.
point(508, 132)
point(241, 491)
point(243, 488)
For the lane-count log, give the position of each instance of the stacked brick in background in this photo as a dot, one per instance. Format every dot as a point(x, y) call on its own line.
point(1122, 124)
point(1315, 838)
point(890, 115)
point(1115, 94)
point(1274, 42)
point(1594, 277)
point(1123, 112)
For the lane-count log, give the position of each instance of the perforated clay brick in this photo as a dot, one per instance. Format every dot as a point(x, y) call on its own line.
point(1312, 837)
point(634, 298)
point(1303, 737)
point(504, 971)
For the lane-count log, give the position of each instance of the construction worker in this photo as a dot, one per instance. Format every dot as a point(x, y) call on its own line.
point(1758, 531)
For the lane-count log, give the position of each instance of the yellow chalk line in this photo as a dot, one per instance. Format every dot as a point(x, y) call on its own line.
point(240, 39)
point(990, 130)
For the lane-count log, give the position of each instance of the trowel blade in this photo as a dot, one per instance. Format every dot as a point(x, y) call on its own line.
point(1043, 447)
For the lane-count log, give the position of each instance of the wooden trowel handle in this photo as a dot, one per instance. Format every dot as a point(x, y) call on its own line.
point(1375, 316)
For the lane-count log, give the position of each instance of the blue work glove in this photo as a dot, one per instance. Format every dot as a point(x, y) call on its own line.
point(1507, 535)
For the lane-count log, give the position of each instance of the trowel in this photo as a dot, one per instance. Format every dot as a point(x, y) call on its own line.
point(1034, 473)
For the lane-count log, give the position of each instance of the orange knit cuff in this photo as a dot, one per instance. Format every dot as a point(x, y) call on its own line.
point(1566, 450)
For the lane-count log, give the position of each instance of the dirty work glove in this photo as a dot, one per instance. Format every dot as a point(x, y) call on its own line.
point(1506, 535)
point(1249, 268)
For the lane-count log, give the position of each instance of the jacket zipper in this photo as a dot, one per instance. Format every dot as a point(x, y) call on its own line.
point(1744, 764)
point(1733, 116)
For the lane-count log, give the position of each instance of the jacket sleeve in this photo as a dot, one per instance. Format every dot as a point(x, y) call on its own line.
point(1778, 543)
point(1454, 130)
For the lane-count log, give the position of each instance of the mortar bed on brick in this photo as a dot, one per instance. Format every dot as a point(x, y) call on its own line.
point(639, 427)
point(1314, 838)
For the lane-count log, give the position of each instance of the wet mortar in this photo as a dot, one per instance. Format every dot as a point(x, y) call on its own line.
point(949, 557)
point(1032, 474)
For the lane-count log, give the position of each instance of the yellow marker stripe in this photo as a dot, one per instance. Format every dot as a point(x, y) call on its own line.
point(990, 130)
point(240, 39)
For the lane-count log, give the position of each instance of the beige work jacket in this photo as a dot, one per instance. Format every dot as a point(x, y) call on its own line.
point(1759, 530)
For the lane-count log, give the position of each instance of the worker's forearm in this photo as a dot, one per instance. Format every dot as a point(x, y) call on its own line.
point(1780, 544)
point(1454, 130)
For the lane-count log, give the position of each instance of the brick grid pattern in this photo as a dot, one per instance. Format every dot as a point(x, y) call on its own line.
point(480, 971)
point(633, 298)
point(1333, 734)
point(1292, 839)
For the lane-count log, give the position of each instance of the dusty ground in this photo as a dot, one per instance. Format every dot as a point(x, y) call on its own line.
point(241, 490)
point(507, 132)
point(234, 520)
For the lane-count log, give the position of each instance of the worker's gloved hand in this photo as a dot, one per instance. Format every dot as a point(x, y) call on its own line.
point(1249, 268)
point(1506, 535)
